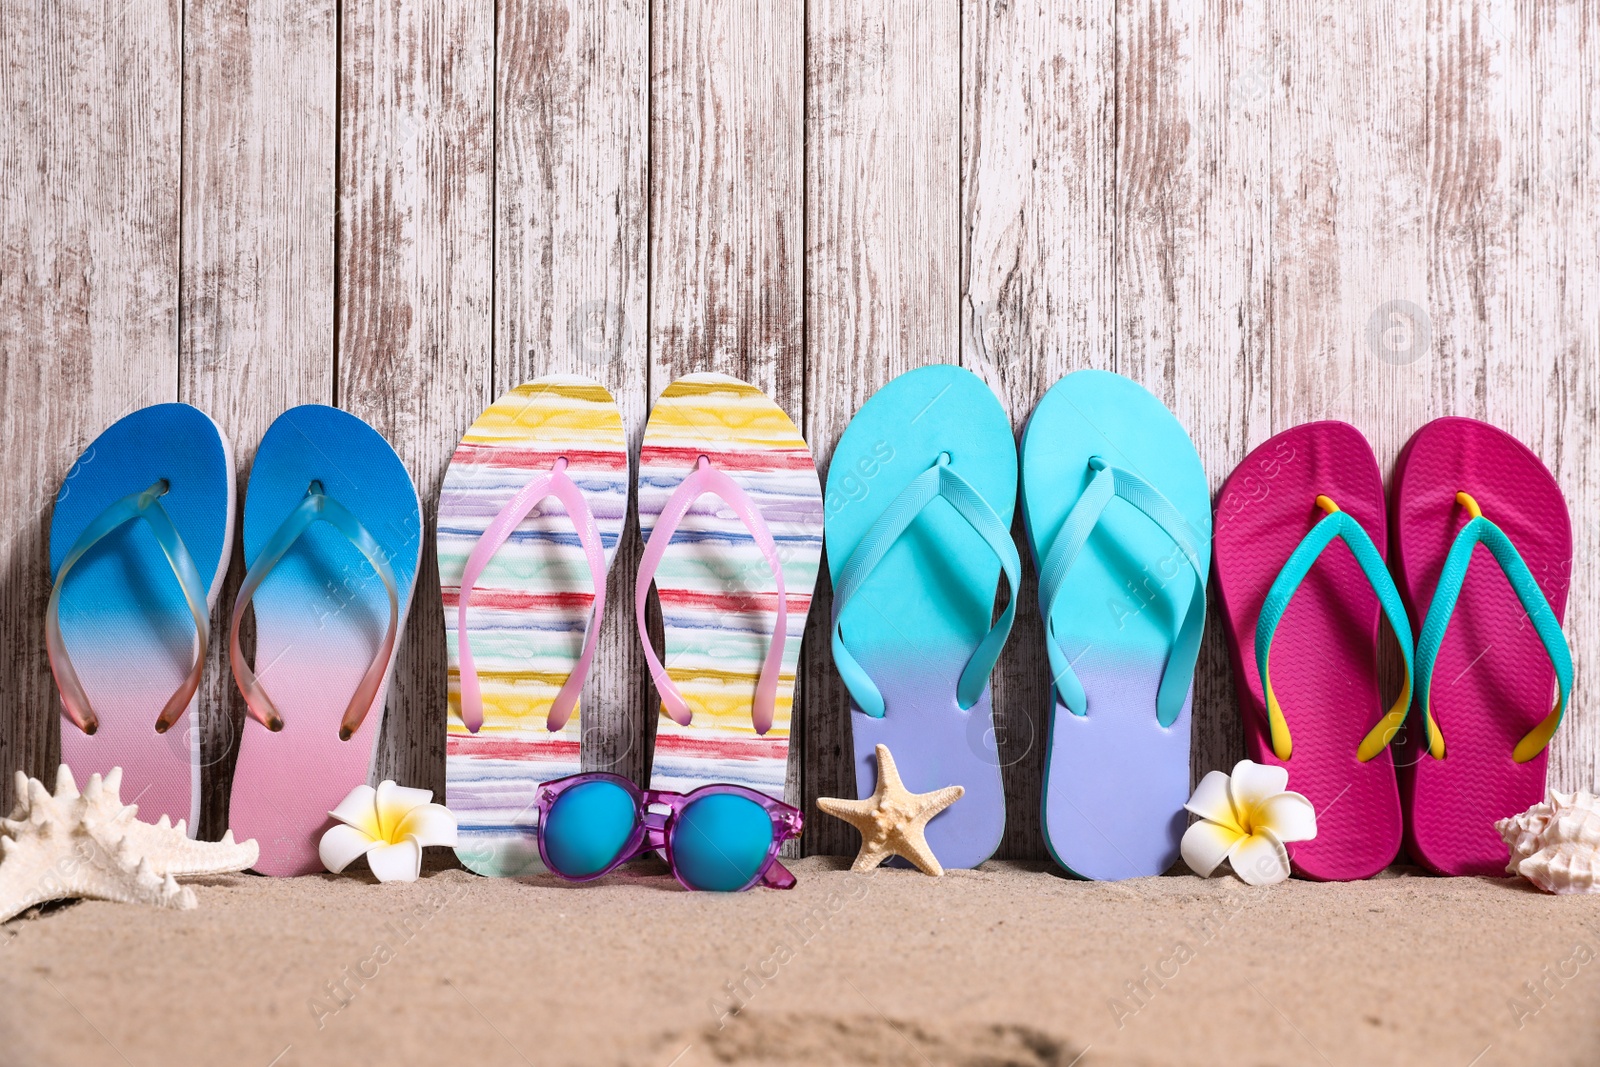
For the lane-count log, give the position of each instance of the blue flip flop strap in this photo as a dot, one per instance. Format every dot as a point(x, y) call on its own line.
point(940, 480)
point(316, 506)
point(144, 505)
point(1482, 531)
point(1108, 482)
point(1337, 524)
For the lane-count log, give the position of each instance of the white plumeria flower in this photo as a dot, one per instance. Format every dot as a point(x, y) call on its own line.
point(1247, 819)
point(390, 825)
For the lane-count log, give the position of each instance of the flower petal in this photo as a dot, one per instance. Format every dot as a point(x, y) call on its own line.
point(1210, 801)
point(1259, 859)
point(430, 824)
point(399, 862)
point(394, 801)
point(1289, 816)
point(343, 845)
point(360, 810)
point(1206, 844)
point(1252, 783)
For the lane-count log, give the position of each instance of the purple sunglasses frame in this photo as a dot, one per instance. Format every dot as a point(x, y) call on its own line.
point(652, 831)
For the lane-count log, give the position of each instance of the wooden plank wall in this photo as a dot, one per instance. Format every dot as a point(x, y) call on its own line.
point(1266, 213)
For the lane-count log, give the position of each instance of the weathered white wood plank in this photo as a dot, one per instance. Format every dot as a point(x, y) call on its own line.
point(883, 157)
point(727, 137)
point(727, 103)
point(1192, 249)
point(571, 165)
point(89, 151)
point(258, 266)
point(1038, 233)
point(1348, 111)
point(1516, 252)
point(416, 168)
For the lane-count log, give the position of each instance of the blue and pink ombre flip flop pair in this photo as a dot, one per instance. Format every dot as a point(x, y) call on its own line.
point(332, 536)
point(921, 494)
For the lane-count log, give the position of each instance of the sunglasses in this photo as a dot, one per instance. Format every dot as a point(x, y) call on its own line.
point(721, 838)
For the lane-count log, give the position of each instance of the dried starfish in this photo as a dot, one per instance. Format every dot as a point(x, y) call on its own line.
point(70, 844)
point(893, 819)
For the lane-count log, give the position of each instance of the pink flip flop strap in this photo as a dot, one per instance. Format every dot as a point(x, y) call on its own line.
point(708, 479)
point(557, 484)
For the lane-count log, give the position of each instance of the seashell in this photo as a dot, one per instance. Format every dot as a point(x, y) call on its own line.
point(67, 844)
point(1556, 843)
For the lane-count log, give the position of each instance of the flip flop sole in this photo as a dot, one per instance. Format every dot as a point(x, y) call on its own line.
point(123, 615)
point(927, 605)
point(320, 619)
point(717, 594)
point(529, 608)
point(1325, 650)
point(1115, 779)
point(1492, 682)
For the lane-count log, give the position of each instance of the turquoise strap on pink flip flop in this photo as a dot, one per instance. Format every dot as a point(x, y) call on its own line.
point(939, 481)
point(708, 479)
point(556, 484)
point(1338, 524)
point(1479, 530)
point(144, 505)
point(1106, 483)
point(316, 506)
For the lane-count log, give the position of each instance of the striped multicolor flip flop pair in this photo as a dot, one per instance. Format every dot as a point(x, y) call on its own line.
point(140, 541)
point(532, 509)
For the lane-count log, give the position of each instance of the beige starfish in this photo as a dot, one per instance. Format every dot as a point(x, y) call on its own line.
point(893, 819)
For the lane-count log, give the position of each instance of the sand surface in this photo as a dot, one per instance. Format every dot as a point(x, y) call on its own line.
point(1008, 965)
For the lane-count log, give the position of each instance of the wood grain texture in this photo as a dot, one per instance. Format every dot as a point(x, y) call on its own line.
point(883, 108)
point(1193, 232)
point(727, 155)
point(260, 114)
point(89, 151)
point(1515, 272)
point(415, 291)
point(571, 170)
point(1038, 230)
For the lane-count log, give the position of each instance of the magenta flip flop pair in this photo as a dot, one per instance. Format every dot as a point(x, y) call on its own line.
point(1479, 546)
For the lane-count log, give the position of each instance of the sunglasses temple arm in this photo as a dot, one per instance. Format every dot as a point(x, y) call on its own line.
point(777, 876)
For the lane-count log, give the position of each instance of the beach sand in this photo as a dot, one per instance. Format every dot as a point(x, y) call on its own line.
point(1012, 964)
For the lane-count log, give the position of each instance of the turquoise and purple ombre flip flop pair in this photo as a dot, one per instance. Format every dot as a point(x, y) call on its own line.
point(921, 494)
point(332, 538)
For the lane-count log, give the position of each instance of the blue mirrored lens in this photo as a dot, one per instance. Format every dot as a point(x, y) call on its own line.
point(721, 841)
point(587, 827)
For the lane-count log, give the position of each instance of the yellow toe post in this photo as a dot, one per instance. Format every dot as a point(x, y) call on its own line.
point(1326, 504)
point(1466, 501)
point(1538, 737)
point(1282, 746)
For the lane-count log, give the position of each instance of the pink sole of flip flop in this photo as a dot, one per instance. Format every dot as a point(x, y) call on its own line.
point(1325, 653)
point(1492, 682)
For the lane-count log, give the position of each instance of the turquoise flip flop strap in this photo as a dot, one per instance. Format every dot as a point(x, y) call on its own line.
point(1107, 483)
point(316, 506)
point(1338, 524)
point(144, 505)
point(938, 481)
point(1480, 530)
